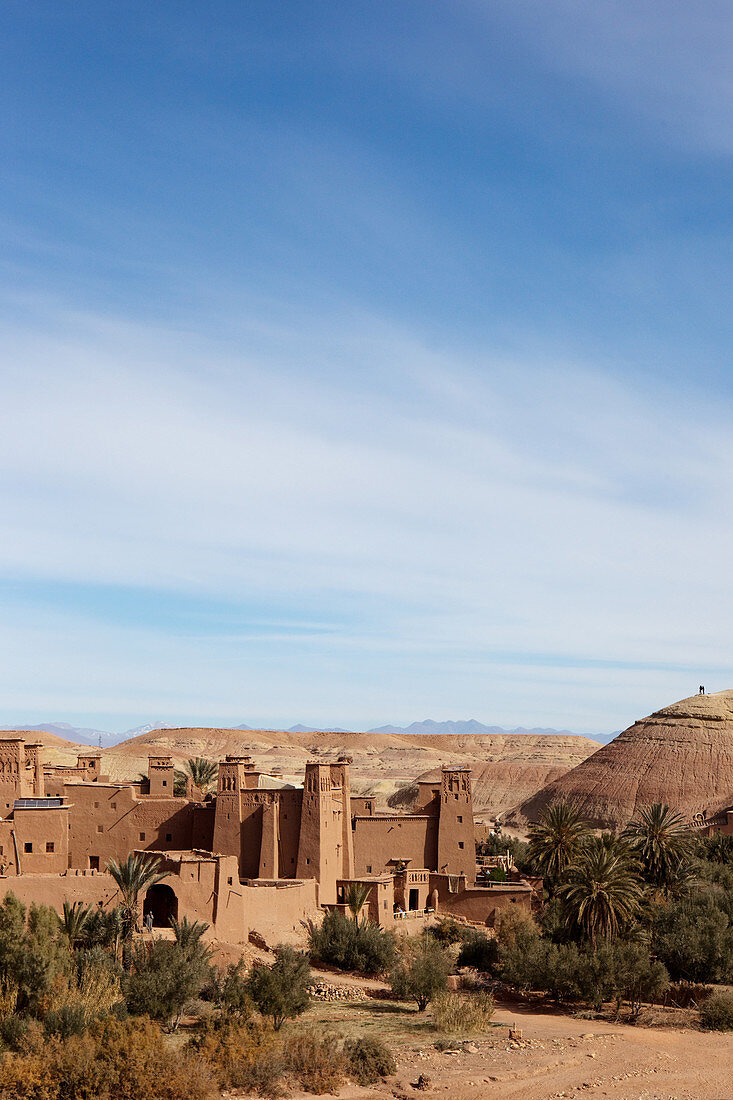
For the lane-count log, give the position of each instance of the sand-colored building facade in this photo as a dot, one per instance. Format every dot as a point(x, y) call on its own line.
point(249, 859)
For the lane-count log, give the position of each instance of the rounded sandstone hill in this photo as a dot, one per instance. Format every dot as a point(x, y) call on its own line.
point(681, 755)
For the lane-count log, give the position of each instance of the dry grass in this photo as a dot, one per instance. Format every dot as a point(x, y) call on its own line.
point(454, 1014)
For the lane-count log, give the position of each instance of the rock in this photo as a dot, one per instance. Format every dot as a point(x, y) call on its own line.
point(508, 768)
point(681, 755)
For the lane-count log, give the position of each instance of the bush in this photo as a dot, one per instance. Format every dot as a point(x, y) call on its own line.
point(163, 978)
point(233, 996)
point(315, 1061)
point(497, 845)
point(368, 1060)
point(422, 972)
point(457, 1015)
point(112, 1060)
point(479, 951)
point(716, 1013)
point(693, 937)
point(349, 945)
point(280, 991)
point(240, 1055)
point(448, 931)
point(66, 1021)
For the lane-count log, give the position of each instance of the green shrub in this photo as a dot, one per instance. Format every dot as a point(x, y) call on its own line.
point(497, 846)
point(66, 1021)
point(479, 951)
point(163, 978)
point(422, 971)
point(716, 1013)
point(462, 1015)
point(13, 1031)
point(280, 991)
point(349, 945)
point(233, 996)
point(447, 931)
point(693, 937)
point(368, 1060)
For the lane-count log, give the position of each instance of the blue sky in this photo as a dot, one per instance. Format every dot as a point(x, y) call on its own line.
point(364, 362)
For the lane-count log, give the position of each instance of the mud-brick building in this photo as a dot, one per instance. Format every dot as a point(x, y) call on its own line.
point(250, 858)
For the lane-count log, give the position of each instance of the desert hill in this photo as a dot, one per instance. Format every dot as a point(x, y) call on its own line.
point(497, 784)
point(57, 749)
point(681, 755)
point(382, 762)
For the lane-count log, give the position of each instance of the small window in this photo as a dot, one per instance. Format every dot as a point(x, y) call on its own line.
point(142, 836)
point(460, 844)
point(165, 782)
point(292, 859)
point(1, 849)
point(49, 845)
point(96, 805)
point(100, 828)
point(114, 805)
point(230, 881)
point(307, 860)
point(28, 847)
point(168, 838)
point(369, 868)
point(94, 863)
point(460, 819)
point(384, 904)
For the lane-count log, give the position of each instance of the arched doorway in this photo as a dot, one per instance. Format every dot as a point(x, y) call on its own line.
point(161, 901)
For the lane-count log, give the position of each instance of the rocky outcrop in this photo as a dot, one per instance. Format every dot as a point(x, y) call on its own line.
point(681, 755)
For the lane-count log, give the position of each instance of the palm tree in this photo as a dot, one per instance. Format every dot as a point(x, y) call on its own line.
point(356, 898)
point(556, 841)
point(202, 772)
point(74, 921)
point(133, 876)
point(189, 938)
point(601, 892)
point(663, 843)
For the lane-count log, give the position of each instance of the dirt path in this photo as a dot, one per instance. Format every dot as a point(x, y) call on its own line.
point(557, 1058)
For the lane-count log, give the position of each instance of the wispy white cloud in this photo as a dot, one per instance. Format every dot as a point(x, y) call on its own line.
point(468, 518)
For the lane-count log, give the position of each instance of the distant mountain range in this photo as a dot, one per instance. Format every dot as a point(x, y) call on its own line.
point(86, 736)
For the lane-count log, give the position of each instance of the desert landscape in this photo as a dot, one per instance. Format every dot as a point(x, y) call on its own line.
point(366, 467)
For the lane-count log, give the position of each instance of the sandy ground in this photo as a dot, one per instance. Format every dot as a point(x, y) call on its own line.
point(557, 1057)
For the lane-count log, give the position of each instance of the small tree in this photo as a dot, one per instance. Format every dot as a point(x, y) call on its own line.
point(203, 773)
point(601, 892)
point(356, 898)
point(422, 972)
point(556, 841)
point(639, 977)
point(233, 991)
point(133, 876)
point(74, 921)
point(280, 991)
point(163, 978)
point(189, 938)
point(663, 843)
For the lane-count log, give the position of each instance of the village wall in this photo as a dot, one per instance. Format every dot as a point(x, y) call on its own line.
point(108, 821)
point(380, 842)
